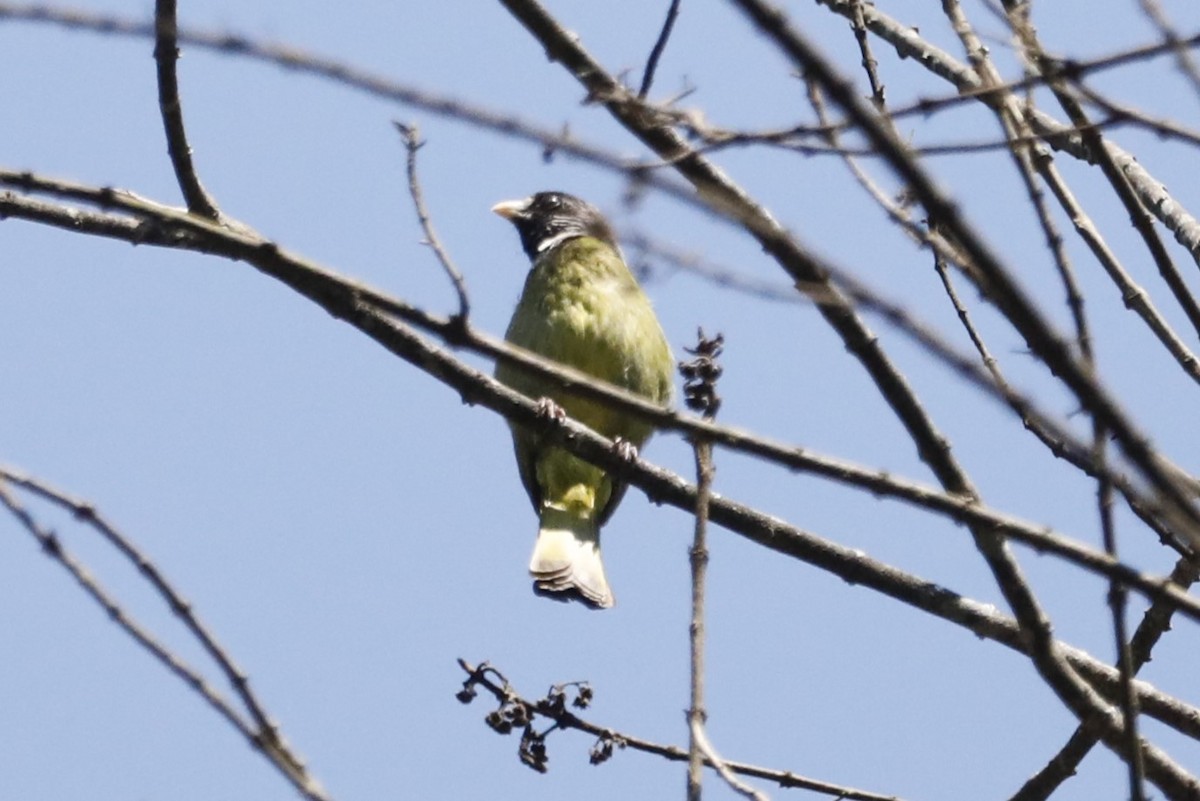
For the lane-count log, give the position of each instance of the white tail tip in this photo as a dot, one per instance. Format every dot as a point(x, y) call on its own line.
point(566, 562)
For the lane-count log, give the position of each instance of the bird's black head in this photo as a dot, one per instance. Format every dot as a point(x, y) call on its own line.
point(550, 218)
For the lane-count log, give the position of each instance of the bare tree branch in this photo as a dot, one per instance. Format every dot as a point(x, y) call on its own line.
point(700, 376)
point(1088, 706)
point(1051, 433)
point(262, 735)
point(721, 766)
point(166, 55)
point(516, 710)
point(659, 46)
point(993, 279)
point(550, 140)
point(1062, 765)
point(1141, 219)
point(1150, 190)
point(413, 143)
point(1179, 48)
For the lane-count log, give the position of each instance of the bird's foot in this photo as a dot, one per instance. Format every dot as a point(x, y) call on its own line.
point(550, 411)
point(625, 449)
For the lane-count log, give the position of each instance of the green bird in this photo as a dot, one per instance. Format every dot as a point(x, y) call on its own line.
point(581, 306)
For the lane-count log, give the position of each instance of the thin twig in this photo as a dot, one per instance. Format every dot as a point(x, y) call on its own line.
point(659, 46)
point(89, 515)
point(997, 282)
point(1118, 602)
point(793, 141)
point(413, 143)
point(1138, 215)
point(869, 63)
point(549, 140)
point(1076, 694)
point(1063, 764)
point(904, 38)
point(648, 254)
point(1179, 48)
point(266, 741)
point(1056, 438)
point(1017, 15)
point(1150, 190)
point(710, 756)
point(698, 558)
point(700, 376)
point(514, 709)
point(964, 319)
point(1120, 114)
point(166, 55)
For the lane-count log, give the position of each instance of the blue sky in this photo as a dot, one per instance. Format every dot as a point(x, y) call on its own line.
point(348, 528)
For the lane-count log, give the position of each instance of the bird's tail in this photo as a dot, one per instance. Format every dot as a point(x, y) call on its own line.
point(566, 559)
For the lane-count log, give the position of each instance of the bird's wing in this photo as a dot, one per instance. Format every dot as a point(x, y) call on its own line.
point(526, 448)
point(614, 498)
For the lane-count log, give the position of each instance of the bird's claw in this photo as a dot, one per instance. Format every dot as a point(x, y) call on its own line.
point(550, 411)
point(625, 449)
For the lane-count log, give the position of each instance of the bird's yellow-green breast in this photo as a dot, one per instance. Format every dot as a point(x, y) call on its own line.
point(582, 307)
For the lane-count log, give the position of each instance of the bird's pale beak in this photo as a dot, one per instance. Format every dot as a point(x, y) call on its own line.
point(511, 209)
